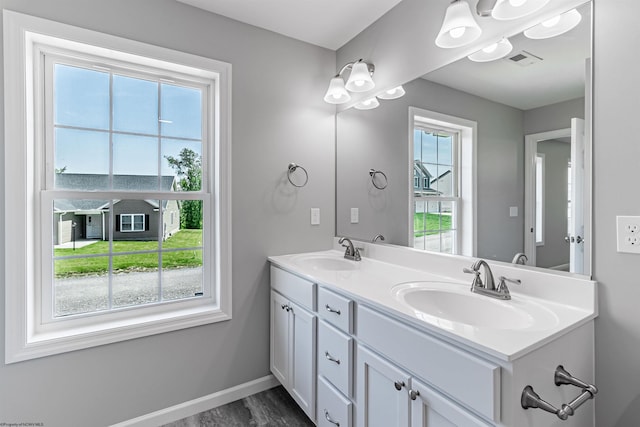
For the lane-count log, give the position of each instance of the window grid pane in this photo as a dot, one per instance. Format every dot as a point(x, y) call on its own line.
point(123, 251)
point(434, 178)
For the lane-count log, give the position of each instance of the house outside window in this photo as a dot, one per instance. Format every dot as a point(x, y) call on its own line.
point(133, 137)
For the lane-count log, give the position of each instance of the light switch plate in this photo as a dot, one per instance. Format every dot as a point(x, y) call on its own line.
point(315, 216)
point(628, 234)
point(513, 211)
point(355, 215)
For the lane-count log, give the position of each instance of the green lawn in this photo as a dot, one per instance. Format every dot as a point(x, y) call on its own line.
point(131, 262)
point(425, 224)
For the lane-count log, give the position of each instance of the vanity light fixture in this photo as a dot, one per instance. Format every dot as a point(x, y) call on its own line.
point(492, 52)
point(554, 26)
point(513, 9)
point(367, 104)
point(459, 28)
point(394, 93)
point(360, 80)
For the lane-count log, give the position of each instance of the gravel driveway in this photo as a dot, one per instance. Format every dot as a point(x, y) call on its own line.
point(85, 294)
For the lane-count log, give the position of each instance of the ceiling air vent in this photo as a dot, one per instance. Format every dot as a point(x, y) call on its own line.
point(523, 58)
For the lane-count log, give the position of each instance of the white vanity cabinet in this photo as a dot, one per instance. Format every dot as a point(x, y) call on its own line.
point(293, 337)
point(350, 362)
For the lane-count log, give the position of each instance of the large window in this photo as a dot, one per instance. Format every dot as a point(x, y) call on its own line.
point(127, 173)
point(442, 211)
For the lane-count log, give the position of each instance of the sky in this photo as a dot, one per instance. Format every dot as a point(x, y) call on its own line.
point(151, 120)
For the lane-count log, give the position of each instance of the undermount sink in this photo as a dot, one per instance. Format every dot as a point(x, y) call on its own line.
point(325, 262)
point(450, 304)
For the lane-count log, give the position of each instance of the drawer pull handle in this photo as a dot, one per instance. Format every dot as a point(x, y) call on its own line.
point(413, 394)
point(332, 310)
point(331, 420)
point(331, 358)
point(399, 385)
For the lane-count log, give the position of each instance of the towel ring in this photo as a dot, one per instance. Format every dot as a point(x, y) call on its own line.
point(291, 169)
point(373, 173)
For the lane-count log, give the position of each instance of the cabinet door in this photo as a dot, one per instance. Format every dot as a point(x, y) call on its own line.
point(303, 358)
point(431, 409)
point(279, 339)
point(382, 392)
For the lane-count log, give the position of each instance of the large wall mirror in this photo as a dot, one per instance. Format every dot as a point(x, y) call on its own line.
point(485, 159)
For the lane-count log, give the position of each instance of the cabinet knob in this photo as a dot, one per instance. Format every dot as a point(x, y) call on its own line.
point(413, 394)
point(399, 385)
point(331, 420)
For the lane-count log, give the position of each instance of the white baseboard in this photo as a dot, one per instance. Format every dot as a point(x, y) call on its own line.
point(201, 404)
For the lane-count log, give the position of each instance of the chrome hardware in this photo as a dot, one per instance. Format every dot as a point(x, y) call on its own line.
point(373, 173)
point(579, 239)
point(568, 239)
point(350, 252)
point(530, 399)
point(399, 385)
point(331, 358)
point(377, 237)
point(331, 420)
point(286, 307)
point(291, 169)
point(413, 394)
point(332, 310)
point(488, 287)
point(519, 258)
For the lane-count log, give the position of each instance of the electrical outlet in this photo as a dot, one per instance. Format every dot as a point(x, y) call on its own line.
point(628, 233)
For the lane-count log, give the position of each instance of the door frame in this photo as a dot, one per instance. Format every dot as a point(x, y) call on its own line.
point(530, 151)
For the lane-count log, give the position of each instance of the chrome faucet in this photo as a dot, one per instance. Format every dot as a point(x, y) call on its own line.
point(519, 258)
point(488, 287)
point(351, 252)
point(377, 237)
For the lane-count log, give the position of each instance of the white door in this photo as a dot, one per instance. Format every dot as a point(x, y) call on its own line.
point(383, 397)
point(430, 409)
point(302, 358)
point(94, 226)
point(280, 338)
point(576, 223)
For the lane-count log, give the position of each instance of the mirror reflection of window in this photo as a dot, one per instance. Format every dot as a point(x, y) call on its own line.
point(435, 192)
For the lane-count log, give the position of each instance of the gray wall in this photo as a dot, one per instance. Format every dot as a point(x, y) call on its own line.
point(616, 157)
point(278, 117)
point(553, 117)
point(378, 139)
point(555, 250)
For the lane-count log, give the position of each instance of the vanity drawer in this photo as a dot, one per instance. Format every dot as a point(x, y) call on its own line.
point(457, 373)
point(335, 356)
point(293, 287)
point(335, 309)
point(333, 408)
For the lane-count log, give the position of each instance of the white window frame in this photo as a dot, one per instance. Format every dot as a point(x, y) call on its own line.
point(133, 228)
point(26, 335)
point(467, 210)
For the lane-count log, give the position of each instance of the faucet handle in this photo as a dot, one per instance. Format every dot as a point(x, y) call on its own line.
point(470, 271)
point(502, 285)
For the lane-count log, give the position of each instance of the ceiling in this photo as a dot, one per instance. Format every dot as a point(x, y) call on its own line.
point(325, 23)
point(558, 77)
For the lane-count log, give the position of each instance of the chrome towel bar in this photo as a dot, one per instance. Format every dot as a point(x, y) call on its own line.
point(531, 399)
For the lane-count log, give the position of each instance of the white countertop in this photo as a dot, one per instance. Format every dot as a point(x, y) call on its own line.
point(372, 282)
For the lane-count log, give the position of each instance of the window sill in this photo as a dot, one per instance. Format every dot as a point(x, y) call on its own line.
point(40, 344)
